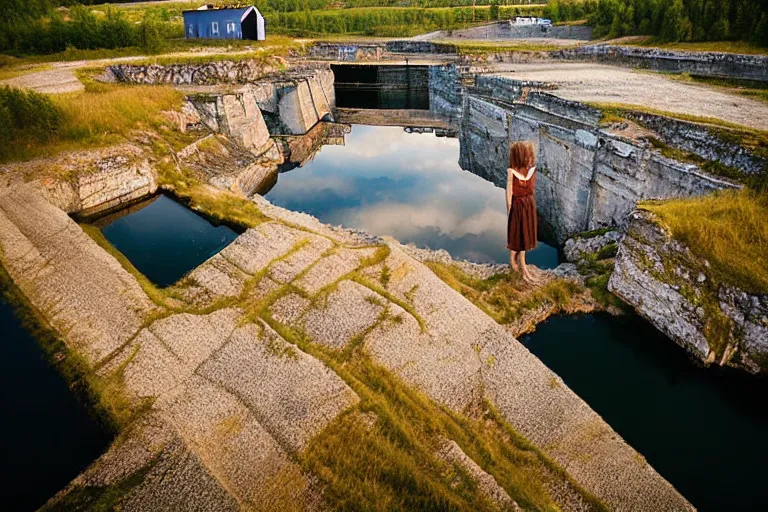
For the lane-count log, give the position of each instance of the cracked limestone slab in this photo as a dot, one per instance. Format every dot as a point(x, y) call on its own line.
point(349, 310)
point(235, 447)
point(252, 251)
point(542, 408)
point(216, 278)
point(290, 309)
point(453, 454)
point(82, 290)
point(342, 235)
point(287, 269)
point(293, 395)
point(193, 338)
point(442, 359)
point(154, 469)
point(166, 353)
point(179, 481)
point(329, 269)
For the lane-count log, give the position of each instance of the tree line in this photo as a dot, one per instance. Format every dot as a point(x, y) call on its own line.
point(389, 21)
point(669, 20)
point(50, 32)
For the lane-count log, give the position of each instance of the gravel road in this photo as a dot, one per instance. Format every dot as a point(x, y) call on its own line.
point(610, 84)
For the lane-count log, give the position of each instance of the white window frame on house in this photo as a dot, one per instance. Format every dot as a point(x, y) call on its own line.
point(214, 28)
point(231, 27)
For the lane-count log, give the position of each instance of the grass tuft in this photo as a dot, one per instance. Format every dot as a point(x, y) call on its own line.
point(728, 229)
point(506, 297)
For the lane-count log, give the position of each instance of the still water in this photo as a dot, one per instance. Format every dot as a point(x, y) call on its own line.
point(163, 239)
point(47, 438)
point(408, 186)
point(704, 430)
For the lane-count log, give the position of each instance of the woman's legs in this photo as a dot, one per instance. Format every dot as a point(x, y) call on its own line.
point(513, 261)
point(527, 277)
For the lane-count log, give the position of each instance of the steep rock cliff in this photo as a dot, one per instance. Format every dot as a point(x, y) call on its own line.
point(672, 288)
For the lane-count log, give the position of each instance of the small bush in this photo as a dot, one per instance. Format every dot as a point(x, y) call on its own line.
point(26, 117)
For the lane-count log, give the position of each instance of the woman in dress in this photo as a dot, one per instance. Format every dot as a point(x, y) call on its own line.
point(521, 206)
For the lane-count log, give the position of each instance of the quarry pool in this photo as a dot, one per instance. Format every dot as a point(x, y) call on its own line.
point(164, 239)
point(387, 181)
point(704, 430)
point(48, 437)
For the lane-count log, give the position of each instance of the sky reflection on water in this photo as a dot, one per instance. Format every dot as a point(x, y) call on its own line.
point(409, 186)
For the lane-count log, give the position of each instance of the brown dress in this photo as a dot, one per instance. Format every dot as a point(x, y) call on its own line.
point(521, 223)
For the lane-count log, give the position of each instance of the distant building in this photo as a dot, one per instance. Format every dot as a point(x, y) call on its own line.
point(210, 23)
point(521, 21)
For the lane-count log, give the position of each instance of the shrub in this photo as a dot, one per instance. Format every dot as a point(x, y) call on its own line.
point(26, 117)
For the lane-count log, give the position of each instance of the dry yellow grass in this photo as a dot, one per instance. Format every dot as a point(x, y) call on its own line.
point(101, 115)
point(728, 229)
point(104, 112)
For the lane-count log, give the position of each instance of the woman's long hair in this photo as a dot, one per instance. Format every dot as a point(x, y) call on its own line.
point(522, 156)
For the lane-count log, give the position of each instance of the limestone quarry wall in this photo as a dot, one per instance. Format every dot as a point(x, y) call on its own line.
point(445, 90)
point(208, 73)
point(101, 180)
point(587, 178)
point(504, 30)
point(750, 67)
point(670, 286)
point(714, 144)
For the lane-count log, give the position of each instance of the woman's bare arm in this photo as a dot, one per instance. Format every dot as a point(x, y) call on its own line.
point(509, 189)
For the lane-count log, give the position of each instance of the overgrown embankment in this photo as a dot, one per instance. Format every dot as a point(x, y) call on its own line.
point(34, 125)
point(696, 268)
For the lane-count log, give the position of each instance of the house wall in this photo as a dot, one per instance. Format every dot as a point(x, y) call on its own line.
point(202, 24)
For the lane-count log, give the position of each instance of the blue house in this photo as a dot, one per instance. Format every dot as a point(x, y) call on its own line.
point(210, 23)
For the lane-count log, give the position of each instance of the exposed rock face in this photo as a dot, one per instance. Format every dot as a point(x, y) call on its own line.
point(670, 286)
point(346, 52)
point(504, 30)
point(587, 177)
point(88, 182)
point(579, 247)
point(226, 164)
point(224, 71)
point(305, 100)
point(753, 67)
point(230, 402)
point(237, 115)
point(708, 143)
point(458, 357)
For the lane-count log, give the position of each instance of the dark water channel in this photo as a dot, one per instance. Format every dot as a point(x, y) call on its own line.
point(164, 239)
point(381, 87)
point(48, 437)
point(704, 430)
point(407, 185)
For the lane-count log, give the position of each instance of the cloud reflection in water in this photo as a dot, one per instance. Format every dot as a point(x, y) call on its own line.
point(409, 186)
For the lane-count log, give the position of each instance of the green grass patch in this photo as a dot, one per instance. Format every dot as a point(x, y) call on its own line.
point(506, 297)
point(729, 229)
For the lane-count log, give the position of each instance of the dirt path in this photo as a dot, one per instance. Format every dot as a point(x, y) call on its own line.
point(609, 84)
point(62, 78)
